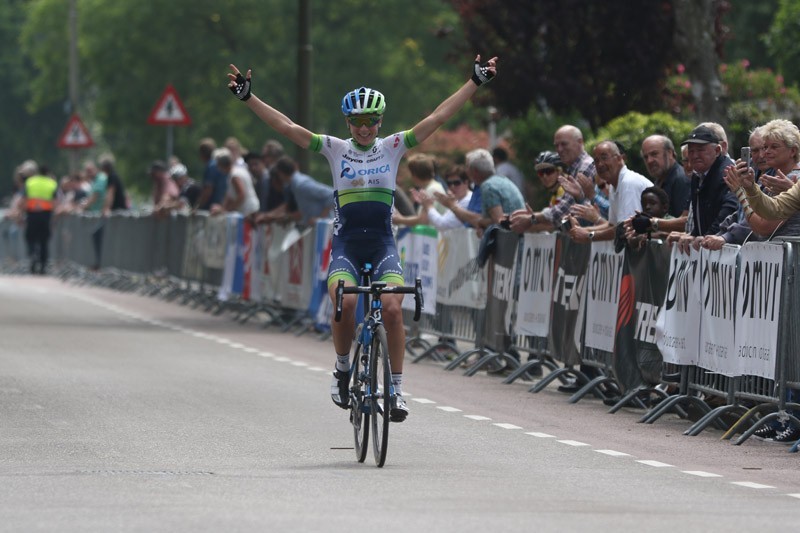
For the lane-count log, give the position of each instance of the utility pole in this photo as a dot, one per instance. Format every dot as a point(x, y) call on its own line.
point(304, 50)
point(73, 73)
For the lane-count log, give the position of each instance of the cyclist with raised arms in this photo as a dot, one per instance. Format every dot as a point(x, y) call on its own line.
point(364, 170)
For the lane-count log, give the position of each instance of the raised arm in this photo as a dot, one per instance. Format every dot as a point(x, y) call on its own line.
point(481, 74)
point(240, 87)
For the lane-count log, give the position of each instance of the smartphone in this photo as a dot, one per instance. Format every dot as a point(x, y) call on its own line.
point(745, 156)
point(566, 225)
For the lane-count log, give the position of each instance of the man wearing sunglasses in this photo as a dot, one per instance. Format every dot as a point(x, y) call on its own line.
point(551, 170)
point(364, 170)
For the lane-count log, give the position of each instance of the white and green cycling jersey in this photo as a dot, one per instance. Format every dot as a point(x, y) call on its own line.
point(364, 181)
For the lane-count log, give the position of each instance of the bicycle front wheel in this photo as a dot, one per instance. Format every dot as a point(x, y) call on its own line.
point(381, 386)
point(357, 410)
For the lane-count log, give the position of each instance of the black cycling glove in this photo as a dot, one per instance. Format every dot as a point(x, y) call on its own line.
point(481, 73)
point(242, 88)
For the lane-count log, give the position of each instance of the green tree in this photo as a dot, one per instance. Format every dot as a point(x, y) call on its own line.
point(781, 39)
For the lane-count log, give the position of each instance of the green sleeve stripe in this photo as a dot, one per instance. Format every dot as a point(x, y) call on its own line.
point(316, 143)
point(410, 139)
point(382, 195)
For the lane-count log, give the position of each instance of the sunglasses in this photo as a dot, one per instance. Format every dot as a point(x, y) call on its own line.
point(364, 120)
point(546, 171)
point(454, 183)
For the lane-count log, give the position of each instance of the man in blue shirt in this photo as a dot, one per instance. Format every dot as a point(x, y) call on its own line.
point(314, 200)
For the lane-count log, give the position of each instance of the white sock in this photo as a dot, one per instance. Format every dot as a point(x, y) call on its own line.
point(397, 383)
point(343, 362)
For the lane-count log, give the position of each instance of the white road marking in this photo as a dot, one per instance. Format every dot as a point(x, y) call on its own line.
point(507, 426)
point(656, 464)
point(613, 453)
point(700, 473)
point(477, 417)
point(573, 443)
point(422, 400)
point(795, 495)
point(299, 363)
point(540, 435)
point(282, 359)
point(751, 485)
point(449, 409)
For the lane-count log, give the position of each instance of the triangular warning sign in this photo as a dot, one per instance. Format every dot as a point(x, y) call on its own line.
point(169, 110)
point(75, 135)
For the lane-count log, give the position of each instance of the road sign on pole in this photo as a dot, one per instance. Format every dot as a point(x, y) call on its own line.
point(169, 110)
point(75, 135)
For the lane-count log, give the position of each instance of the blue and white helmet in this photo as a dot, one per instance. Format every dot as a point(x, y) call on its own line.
point(363, 101)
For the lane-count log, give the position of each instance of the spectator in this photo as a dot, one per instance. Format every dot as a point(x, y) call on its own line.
point(164, 192)
point(214, 182)
point(458, 184)
point(315, 200)
point(39, 191)
point(115, 198)
point(551, 170)
point(781, 154)
point(188, 190)
point(655, 204)
point(711, 201)
point(685, 163)
point(504, 167)
point(625, 197)
point(70, 194)
point(499, 197)
point(240, 194)
point(95, 203)
point(237, 152)
point(271, 152)
point(658, 153)
point(423, 178)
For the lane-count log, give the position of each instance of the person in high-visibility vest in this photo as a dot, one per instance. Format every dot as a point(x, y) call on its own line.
point(40, 192)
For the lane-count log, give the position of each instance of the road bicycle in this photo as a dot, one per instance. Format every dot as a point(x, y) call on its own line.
point(371, 391)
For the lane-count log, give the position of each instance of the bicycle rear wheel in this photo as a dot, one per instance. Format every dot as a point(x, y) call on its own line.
point(357, 416)
point(381, 386)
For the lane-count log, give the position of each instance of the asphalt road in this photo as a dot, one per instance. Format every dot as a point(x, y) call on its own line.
point(120, 412)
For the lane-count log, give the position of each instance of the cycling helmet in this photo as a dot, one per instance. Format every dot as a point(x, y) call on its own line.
point(548, 160)
point(363, 101)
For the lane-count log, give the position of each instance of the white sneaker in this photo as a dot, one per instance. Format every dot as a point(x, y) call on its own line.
point(340, 389)
point(399, 410)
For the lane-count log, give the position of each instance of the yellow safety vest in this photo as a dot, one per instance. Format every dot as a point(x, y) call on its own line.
point(39, 193)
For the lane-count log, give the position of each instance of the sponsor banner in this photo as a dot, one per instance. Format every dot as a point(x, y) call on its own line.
point(418, 256)
point(323, 239)
point(602, 296)
point(569, 289)
point(231, 274)
point(718, 289)
point(266, 277)
point(214, 253)
point(194, 248)
point(502, 276)
point(246, 253)
point(537, 267)
point(678, 324)
point(460, 281)
point(296, 269)
point(758, 307)
point(637, 360)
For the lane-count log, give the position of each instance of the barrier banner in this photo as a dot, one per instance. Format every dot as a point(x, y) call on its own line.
point(758, 307)
point(232, 269)
point(214, 252)
point(460, 281)
point(417, 247)
point(602, 297)
point(537, 266)
point(323, 240)
point(678, 324)
point(296, 269)
point(194, 248)
point(501, 276)
point(637, 360)
point(267, 273)
point(717, 332)
point(566, 320)
point(246, 253)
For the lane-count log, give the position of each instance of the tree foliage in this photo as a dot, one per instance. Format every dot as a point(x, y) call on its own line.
point(130, 50)
point(782, 41)
point(601, 58)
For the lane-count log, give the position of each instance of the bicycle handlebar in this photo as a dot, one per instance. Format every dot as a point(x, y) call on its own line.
point(376, 289)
